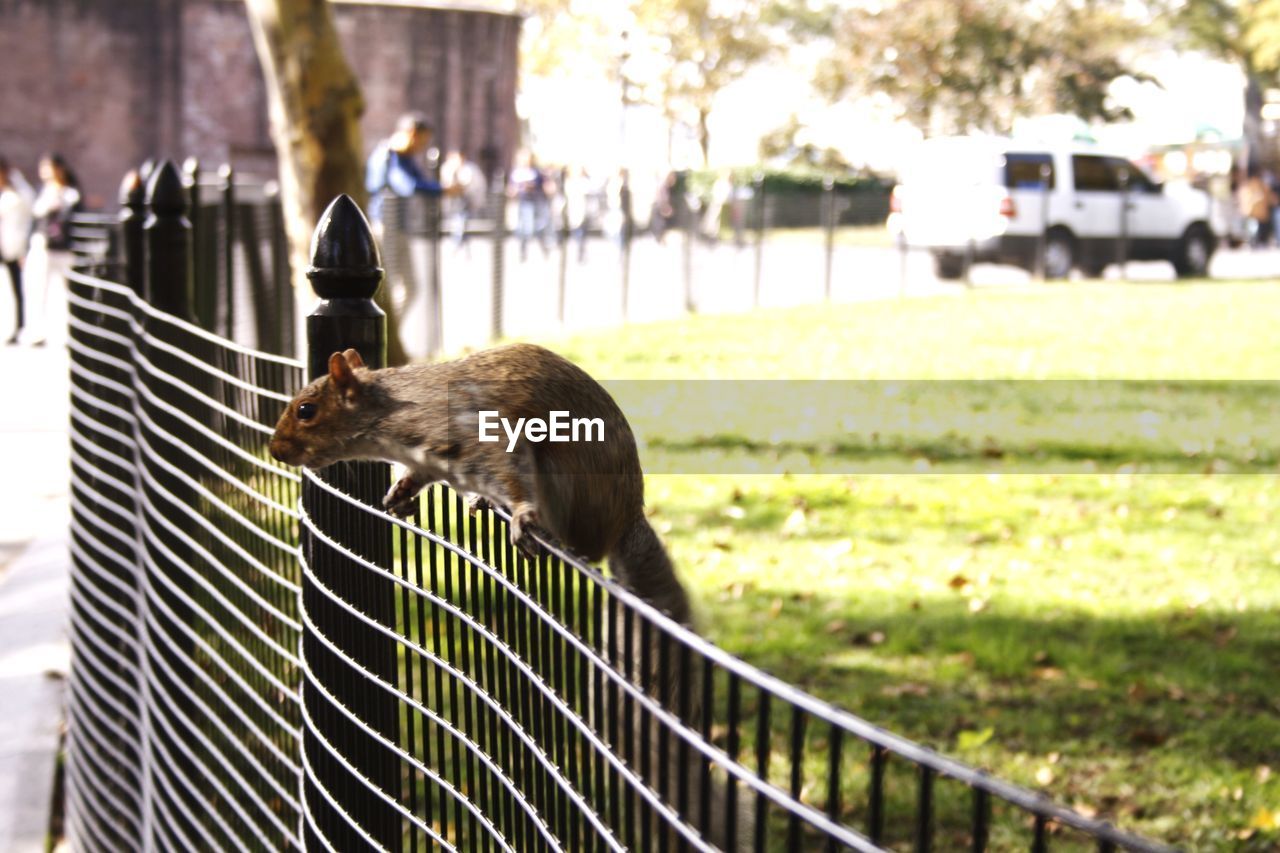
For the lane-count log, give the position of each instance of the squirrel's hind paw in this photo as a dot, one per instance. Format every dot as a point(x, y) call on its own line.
point(402, 499)
point(524, 527)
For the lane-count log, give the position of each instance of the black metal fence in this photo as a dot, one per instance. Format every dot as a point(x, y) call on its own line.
point(263, 659)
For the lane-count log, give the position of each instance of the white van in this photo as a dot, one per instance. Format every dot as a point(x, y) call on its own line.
point(985, 199)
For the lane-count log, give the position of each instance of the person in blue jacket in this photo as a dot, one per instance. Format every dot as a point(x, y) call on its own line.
point(395, 165)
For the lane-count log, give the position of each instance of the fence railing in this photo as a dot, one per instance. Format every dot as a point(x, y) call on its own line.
point(264, 660)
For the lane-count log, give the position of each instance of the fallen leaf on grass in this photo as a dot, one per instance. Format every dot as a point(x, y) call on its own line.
point(974, 739)
point(893, 691)
point(872, 638)
point(795, 523)
point(1148, 737)
point(1044, 776)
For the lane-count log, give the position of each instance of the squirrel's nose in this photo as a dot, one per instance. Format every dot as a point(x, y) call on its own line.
point(276, 449)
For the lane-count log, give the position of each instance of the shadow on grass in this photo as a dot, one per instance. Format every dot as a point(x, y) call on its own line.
point(1078, 705)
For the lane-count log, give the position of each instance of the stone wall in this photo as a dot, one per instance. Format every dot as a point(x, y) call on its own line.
point(109, 83)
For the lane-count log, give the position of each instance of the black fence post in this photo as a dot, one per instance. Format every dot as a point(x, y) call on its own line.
point(204, 308)
point(167, 277)
point(191, 173)
point(562, 232)
point(281, 288)
point(968, 263)
point(498, 212)
point(684, 210)
point(1122, 248)
point(132, 215)
point(761, 213)
point(628, 227)
point(341, 653)
point(227, 286)
point(1046, 174)
point(828, 231)
point(434, 210)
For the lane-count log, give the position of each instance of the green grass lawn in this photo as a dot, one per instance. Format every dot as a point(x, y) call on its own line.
point(1111, 637)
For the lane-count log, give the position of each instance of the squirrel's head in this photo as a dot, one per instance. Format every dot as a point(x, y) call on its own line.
point(321, 424)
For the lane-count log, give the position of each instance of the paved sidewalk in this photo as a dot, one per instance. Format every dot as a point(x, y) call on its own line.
point(34, 579)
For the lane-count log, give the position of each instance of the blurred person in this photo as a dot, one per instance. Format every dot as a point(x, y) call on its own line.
point(663, 214)
point(394, 166)
point(1273, 184)
point(1256, 200)
point(578, 191)
point(467, 191)
point(740, 196)
point(617, 219)
point(16, 198)
point(529, 185)
point(49, 258)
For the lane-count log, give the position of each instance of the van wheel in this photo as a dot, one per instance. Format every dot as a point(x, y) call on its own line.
point(947, 266)
point(1059, 254)
point(1191, 257)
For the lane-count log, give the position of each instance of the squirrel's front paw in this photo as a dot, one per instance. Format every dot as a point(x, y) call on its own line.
point(524, 526)
point(402, 499)
point(478, 503)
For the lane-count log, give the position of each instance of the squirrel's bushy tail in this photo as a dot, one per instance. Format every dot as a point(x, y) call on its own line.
point(641, 563)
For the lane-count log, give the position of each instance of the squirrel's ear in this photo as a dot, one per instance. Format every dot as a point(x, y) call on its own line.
point(353, 358)
point(341, 375)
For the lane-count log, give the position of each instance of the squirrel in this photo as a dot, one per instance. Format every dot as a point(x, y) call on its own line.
point(589, 496)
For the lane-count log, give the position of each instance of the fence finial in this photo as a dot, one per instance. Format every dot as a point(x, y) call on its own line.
point(132, 214)
point(167, 237)
point(344, 257)
point(166, 196)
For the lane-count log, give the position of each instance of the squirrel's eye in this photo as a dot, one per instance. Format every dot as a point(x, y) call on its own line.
point(306, 411)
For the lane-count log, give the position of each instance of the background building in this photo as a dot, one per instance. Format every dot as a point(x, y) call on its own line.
point(111, 82)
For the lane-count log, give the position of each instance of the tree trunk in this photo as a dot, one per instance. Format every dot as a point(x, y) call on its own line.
point(704, 136)
point(315, 107)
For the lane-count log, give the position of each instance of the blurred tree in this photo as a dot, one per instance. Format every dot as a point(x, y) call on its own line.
point(694, 48)
point(315, 107)
point(788, 146)
point(708, 44)
point(561, 37)
point(957, 65)
point(1243, 31)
